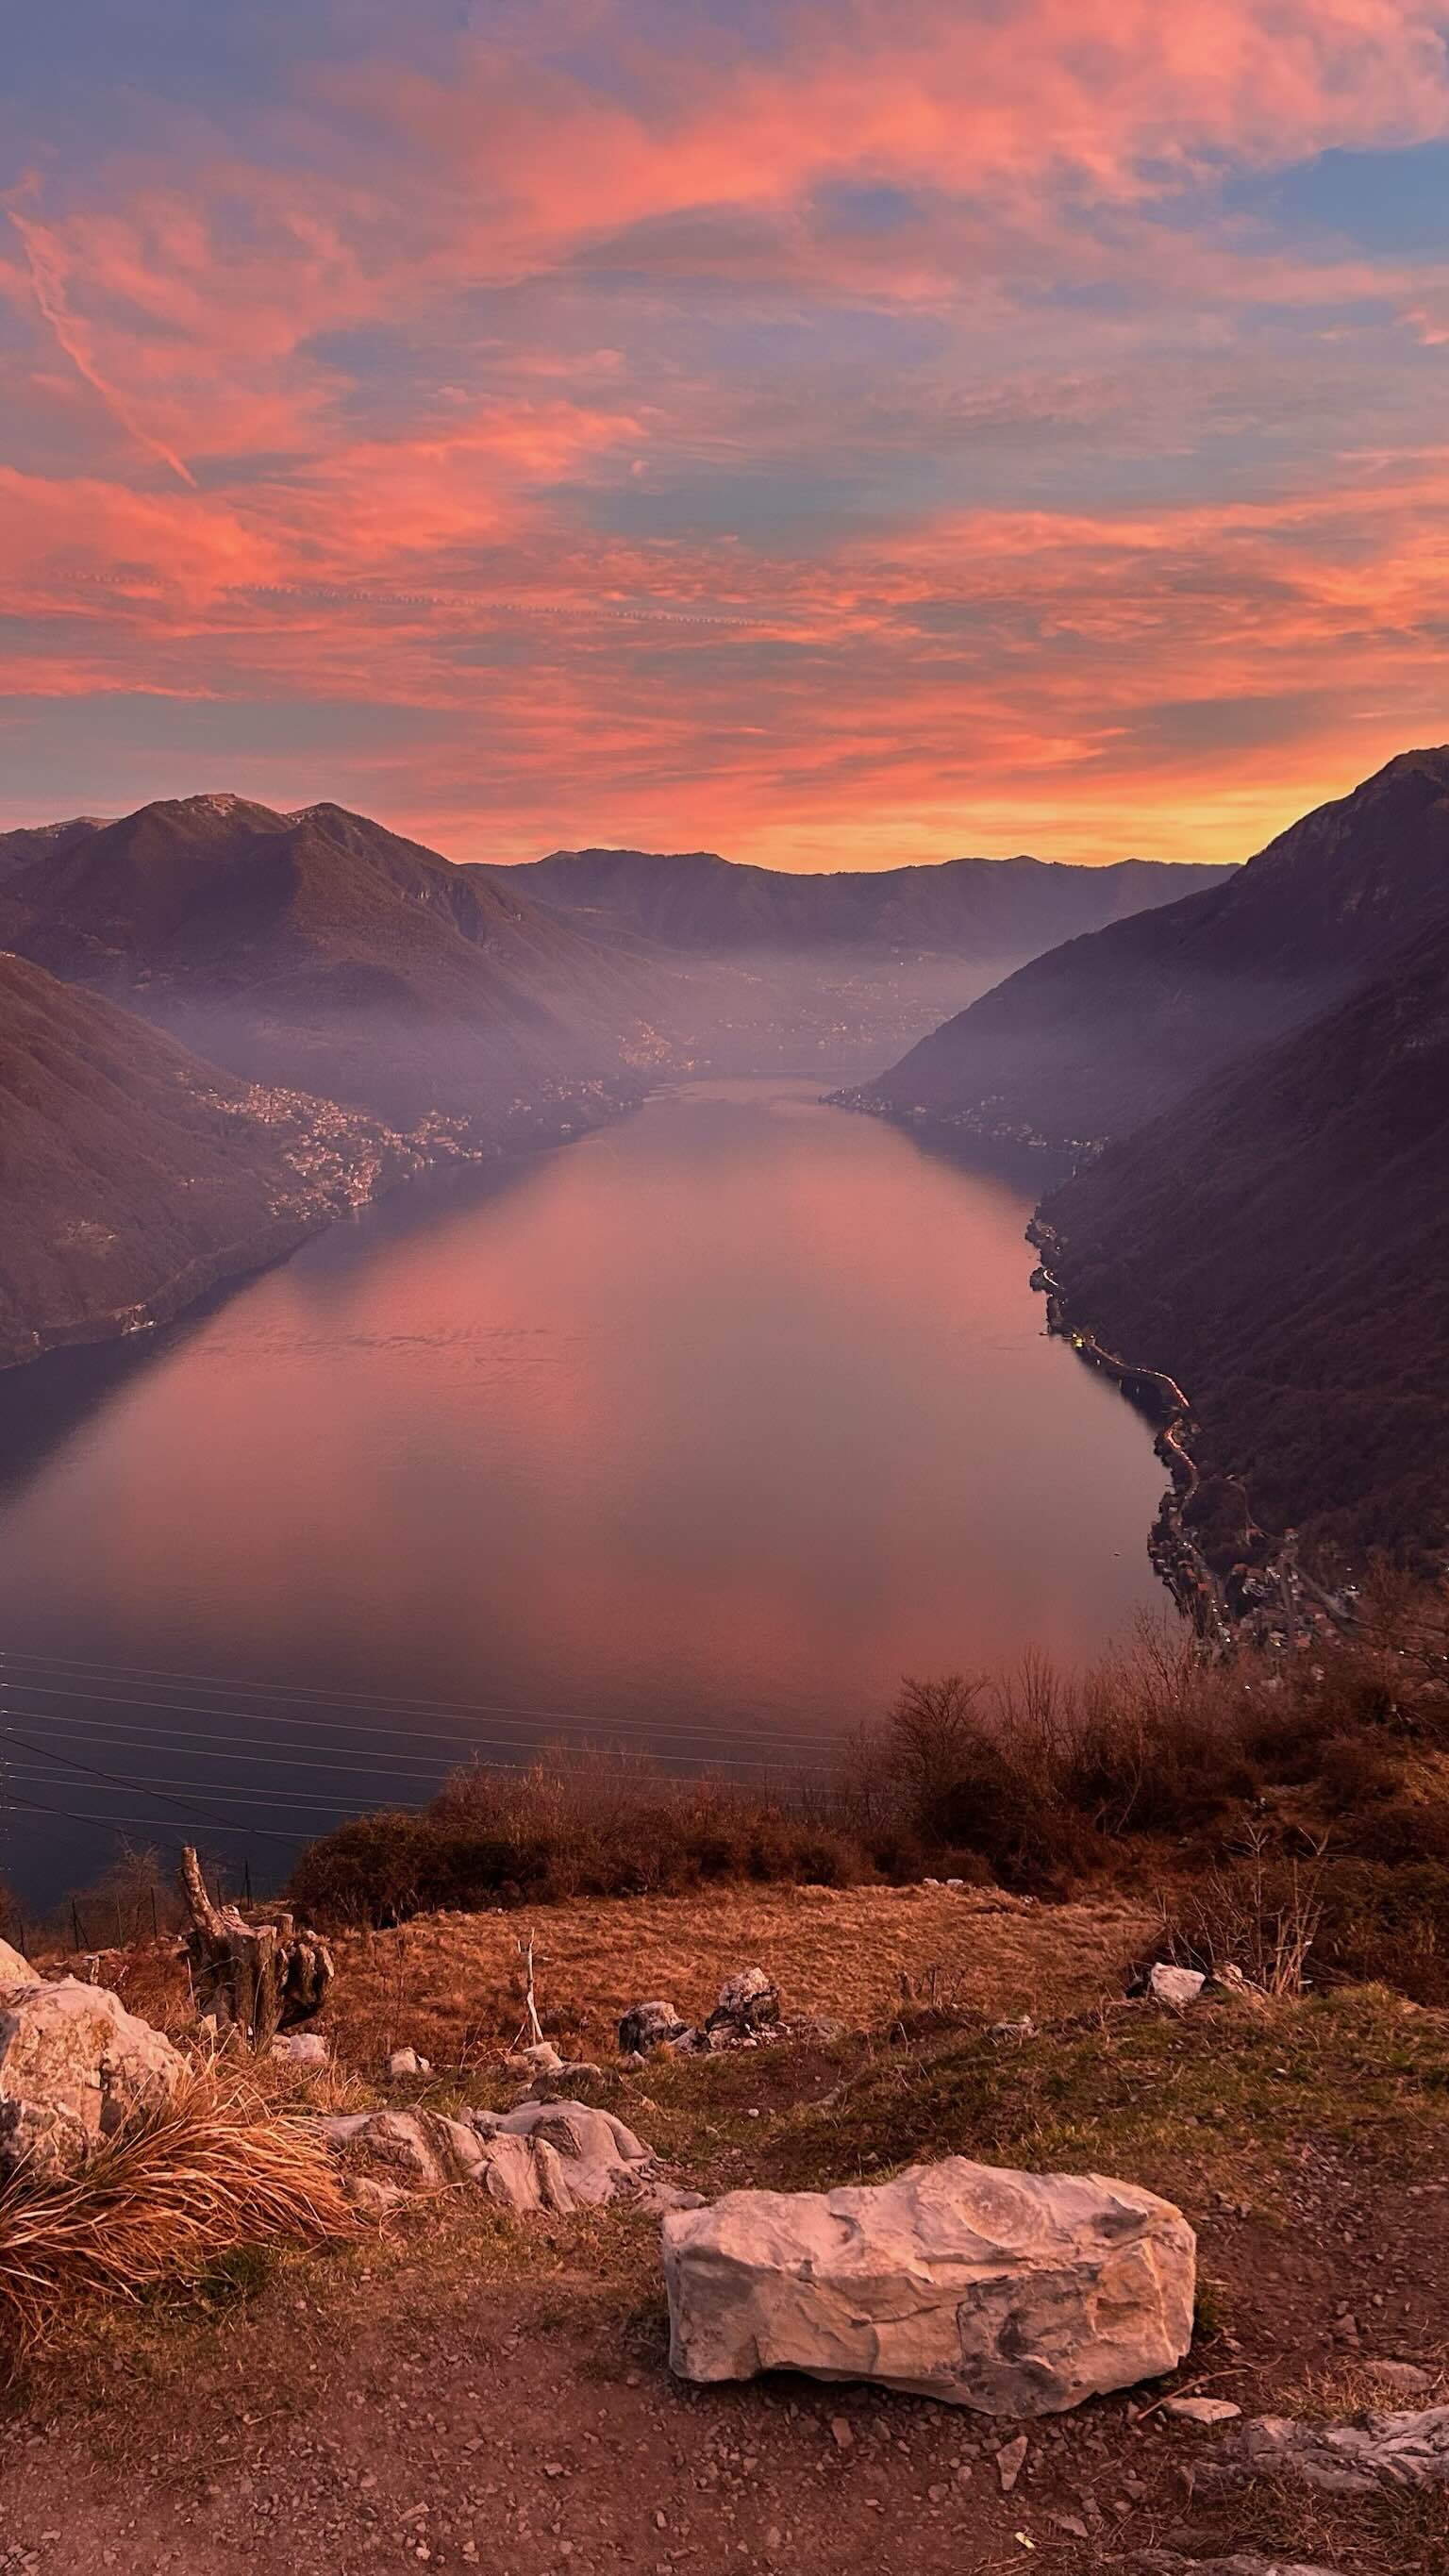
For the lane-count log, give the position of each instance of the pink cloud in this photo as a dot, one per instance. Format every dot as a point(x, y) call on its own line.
point(441, 393)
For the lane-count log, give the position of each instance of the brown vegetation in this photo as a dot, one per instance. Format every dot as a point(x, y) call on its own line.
point(187, 2186)
point(450, 1985)
point(1151, 1770)
point(573, 1825)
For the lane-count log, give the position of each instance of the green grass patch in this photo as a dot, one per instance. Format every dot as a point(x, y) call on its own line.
point(1224, 2094)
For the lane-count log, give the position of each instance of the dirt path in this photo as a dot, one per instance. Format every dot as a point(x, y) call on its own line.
point(468, 2397)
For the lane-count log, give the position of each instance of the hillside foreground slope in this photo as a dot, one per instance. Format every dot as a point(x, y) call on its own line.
point(464, 2389)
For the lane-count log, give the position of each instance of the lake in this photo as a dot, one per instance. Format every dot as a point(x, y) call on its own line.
point(694, 1435)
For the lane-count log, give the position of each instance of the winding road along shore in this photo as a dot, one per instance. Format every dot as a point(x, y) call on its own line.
point(1180, 1562)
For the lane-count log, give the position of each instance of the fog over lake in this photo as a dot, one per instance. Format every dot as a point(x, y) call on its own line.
point(695, 1435)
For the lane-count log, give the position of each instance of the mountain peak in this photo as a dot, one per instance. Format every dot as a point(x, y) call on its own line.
point(1093, 1037)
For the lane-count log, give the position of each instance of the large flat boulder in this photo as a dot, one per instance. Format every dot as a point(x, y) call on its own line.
point(1016, 2293)
point(74, 2067)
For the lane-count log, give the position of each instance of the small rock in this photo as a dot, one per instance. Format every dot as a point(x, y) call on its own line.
point(370, 2197)
point(1071, 2523)
point(748, 2002)
point(301, 2047)
point(1175, 1987)
point(1010, 2461)
point(1201, 2410)
point(840, 2433)
point(1406, 2377)
point(650, 2025)
point(406, 2061)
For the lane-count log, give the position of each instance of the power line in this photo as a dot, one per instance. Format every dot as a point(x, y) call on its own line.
point(147, 1824)
point(276, 1757)
point(292, 1690)
point(281, 1756)
point(280, 1806)
point(402, 1709)
point(114, 1781)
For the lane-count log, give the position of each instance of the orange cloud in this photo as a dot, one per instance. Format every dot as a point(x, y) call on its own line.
point(1024, 487)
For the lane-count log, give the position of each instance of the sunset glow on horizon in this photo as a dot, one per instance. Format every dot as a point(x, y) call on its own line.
point(831, 433)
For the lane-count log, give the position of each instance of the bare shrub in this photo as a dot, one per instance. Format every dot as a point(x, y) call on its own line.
point(1256, 1914)
point(576, 1823)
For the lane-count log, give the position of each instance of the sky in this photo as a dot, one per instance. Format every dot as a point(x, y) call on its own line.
point(834, 432)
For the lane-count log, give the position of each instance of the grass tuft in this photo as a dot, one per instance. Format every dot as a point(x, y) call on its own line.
point(189, 2192)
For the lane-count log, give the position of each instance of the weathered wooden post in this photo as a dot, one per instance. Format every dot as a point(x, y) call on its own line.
point(258, 1978)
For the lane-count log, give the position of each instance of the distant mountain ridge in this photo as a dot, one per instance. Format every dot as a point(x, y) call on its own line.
point(1090, 1038)
point(319, 949)
point(978, 908)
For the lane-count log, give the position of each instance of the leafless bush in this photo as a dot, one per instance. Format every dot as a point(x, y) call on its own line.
point(1257, 1915)
point(576, 1823)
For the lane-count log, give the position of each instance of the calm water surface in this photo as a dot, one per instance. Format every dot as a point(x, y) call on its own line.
point(697, 1434)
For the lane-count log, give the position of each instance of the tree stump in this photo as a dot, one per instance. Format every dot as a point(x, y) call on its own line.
point(258, 1978)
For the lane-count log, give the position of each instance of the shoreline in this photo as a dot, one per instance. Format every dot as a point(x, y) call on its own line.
point(1283, 1605)
point(1179, 1562)
point(1280, 1604)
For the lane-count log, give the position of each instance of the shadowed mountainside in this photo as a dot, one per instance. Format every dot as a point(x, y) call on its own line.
point(135, 1177)
point(1280, 1244)
point(1087, 1041)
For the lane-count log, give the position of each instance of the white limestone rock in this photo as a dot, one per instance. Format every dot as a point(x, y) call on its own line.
point(649, 2026)
point(1175, 1987)
point(1403, 2449)
point(1014, 2293)
point(559, 2156)
point(301, 2048)
point(749, 2001)
point(15, 1971)
point(74, 2067)
point(418, 2148)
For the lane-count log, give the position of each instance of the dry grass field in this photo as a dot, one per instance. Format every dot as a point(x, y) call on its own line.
point(450, 1985)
